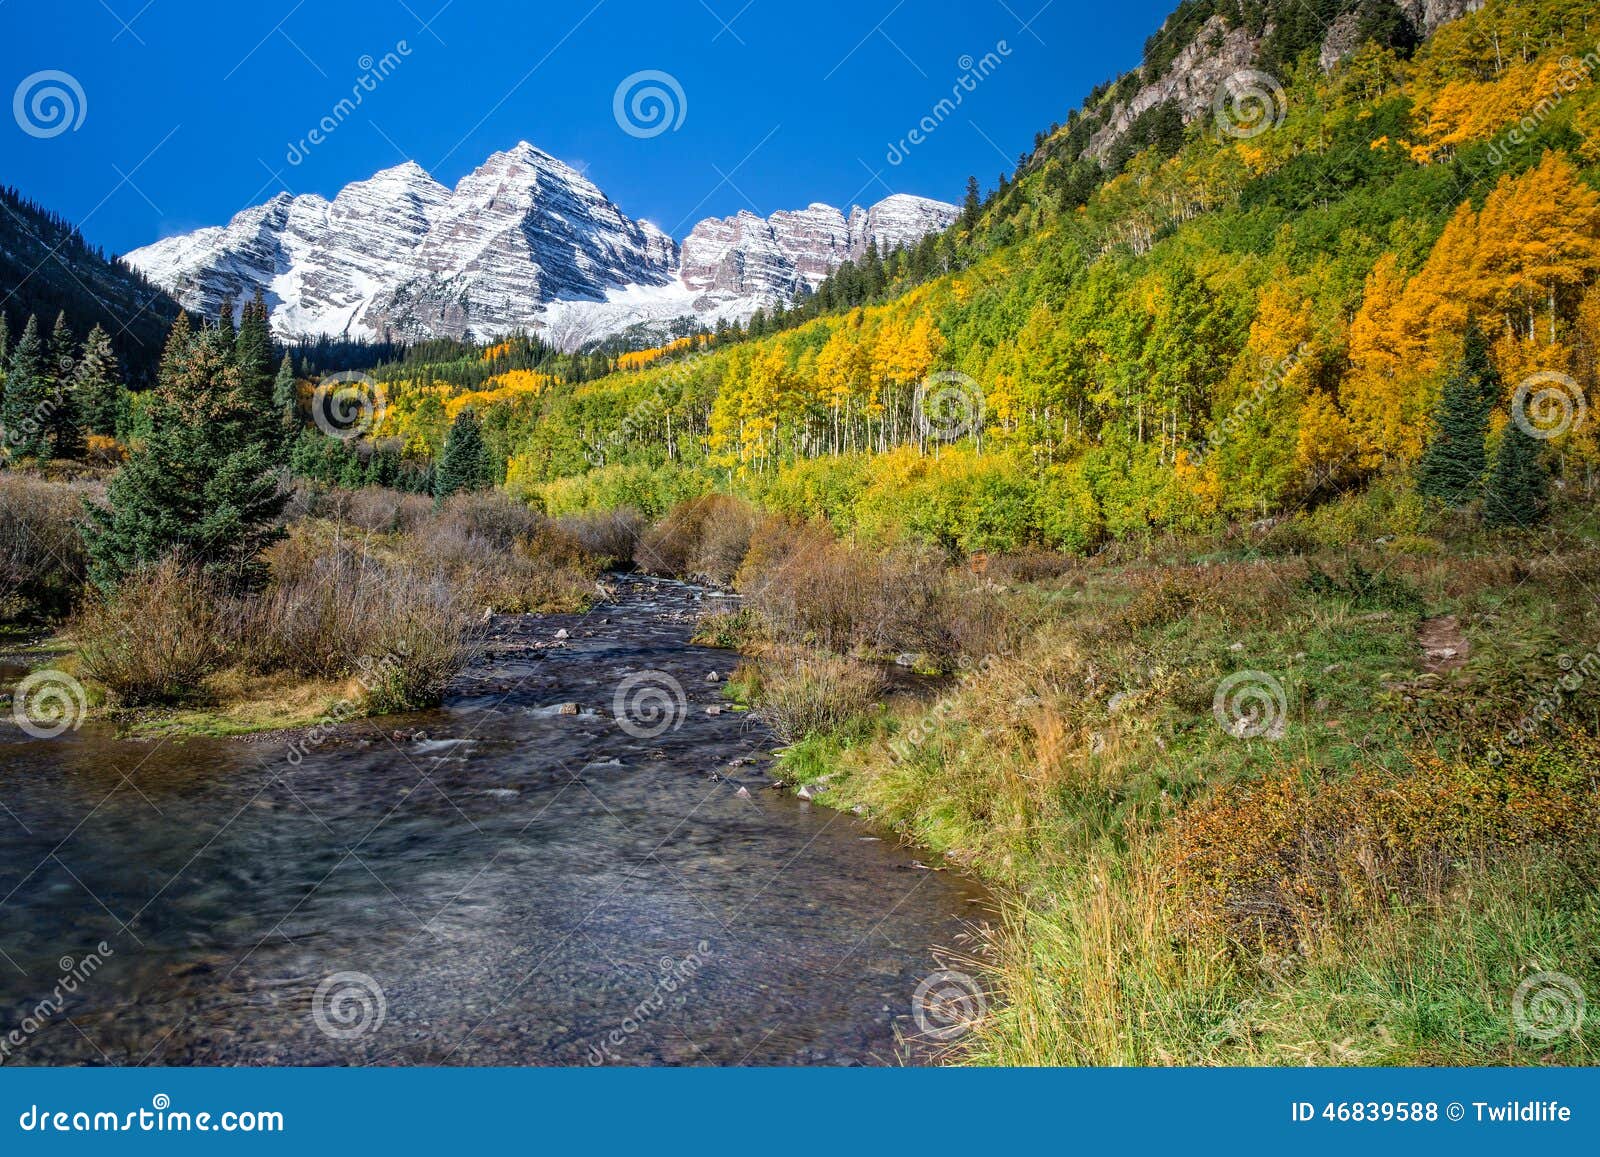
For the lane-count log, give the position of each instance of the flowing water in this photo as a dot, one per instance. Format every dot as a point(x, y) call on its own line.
point(495, 882)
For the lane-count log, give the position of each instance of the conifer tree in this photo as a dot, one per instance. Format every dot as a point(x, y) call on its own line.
point(1519, 482)
point(971, 204)
point(200, 488)
point(285, 400)
point(99, 384)
point(464, 465)
point(1453, 463)
point(252, 353)
point(21, 411)
point(65, 424)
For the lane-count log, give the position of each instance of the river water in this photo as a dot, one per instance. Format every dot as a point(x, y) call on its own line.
point(496, 882)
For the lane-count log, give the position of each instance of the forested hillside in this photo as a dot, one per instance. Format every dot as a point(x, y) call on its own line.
point(1247, 317)
point(49, 269)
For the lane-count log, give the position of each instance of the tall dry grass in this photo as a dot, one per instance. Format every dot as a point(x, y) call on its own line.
point(42, 557)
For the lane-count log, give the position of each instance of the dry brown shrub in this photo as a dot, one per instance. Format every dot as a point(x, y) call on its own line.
point(42, 558)
point(1278, 860)
point(705, 537)
point(157, 638)
point(801, 692)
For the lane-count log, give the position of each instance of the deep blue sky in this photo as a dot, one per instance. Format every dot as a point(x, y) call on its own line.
point(190, 108)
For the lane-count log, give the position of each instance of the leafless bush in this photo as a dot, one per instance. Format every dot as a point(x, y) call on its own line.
point(800, 693)
point(608, 538)
point(157, 638)
point(706, 537)
point(42, 560)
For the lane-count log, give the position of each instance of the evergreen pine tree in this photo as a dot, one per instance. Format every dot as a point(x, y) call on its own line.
point(1454, 461)
point(64, 421)
point(99, 384)
point(972, 204)
point(1519, 482)
point(21, 411)
point(464, 465)
point(199, 489)
point(285, 399)
point(252, 353)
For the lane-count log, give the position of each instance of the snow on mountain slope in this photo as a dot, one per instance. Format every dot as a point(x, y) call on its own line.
point(522, 242)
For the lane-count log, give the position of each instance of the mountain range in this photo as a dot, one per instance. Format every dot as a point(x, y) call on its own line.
point(523, 242)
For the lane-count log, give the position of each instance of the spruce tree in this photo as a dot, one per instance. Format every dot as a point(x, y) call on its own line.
point(22, 410)
point(464, 465)
point(64, 421)
point(252, 353)
point(200, 488)
point(1519, 482)
point(99, 385)
point(971, 204)
point(285, 399)
point(1454, 461)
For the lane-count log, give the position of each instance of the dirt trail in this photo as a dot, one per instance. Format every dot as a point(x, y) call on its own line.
point(1444, 644)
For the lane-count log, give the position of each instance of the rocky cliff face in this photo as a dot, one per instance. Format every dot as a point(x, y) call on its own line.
point(1219, 50)
point(776, 257)
point(522, 242)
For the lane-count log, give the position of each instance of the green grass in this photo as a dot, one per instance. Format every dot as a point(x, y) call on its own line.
point(1028, 775)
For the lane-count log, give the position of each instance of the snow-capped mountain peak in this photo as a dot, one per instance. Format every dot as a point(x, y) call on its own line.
point(524, 241)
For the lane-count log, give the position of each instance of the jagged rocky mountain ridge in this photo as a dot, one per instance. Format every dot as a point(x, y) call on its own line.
point(1222, 46)
point(522, 242)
